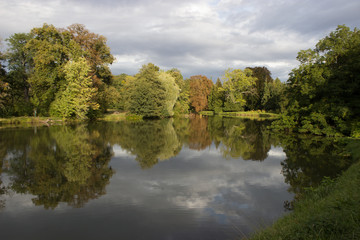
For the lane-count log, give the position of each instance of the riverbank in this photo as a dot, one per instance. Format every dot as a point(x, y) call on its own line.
point(30, 121)
point(329, 212)
point(244, 114)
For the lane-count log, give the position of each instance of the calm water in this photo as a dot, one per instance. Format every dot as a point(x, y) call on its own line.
point(168, 179)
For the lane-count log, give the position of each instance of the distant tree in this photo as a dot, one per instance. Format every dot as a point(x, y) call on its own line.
point(4, 87)
point(152, 93)
point(217, 97)
point(182, 103)
point(172, 91)
point(76, 99)
point(238, 85)
point(200, 88)
point(51, 50)
point(274, 98)
point(20, 65)
point(97, 54)
point(263, 77)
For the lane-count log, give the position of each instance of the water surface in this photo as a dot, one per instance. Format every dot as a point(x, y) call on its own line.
point(201, 178)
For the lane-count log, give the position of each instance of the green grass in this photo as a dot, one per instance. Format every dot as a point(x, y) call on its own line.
point(120, 116)
point(28, 121)
point(114, 117)
point(207, 113)
point(250, 114)
point(329, 212)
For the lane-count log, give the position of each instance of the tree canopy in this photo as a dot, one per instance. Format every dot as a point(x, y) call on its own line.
point(324, 91)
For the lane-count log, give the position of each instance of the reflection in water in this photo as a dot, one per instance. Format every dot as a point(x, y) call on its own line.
point(309, 159)
point(202, 192)
point(59, 164)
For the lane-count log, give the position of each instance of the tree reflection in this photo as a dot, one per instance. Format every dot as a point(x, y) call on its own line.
point(199, 137)
point(309, 159)
point(61, 164)
point(246, 139)
point(150, 141)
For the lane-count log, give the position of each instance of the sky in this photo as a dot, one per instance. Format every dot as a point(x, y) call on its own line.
point(196, 36)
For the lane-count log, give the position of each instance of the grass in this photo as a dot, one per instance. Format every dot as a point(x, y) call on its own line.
point(329, 212)
point(207, 113)
point(120, 116)
point(29, 121)
point(250, 114)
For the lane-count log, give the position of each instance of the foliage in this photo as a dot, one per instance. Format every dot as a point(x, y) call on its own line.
point(152, 93)
point(4, 87)
point(76, 99)
point(273, 96)
point(217, 97)
point(238, 85)
point(182, 103)
point(58, 164)
point(263, 78)
point(200, 87)
point(324, 90)
point(37, 61)
point(331, 212)
point(20, 65)
point(171, 92)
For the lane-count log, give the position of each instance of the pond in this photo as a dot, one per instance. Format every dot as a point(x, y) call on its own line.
point(199, 178)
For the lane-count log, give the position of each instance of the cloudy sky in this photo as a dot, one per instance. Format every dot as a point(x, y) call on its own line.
point(196, 36)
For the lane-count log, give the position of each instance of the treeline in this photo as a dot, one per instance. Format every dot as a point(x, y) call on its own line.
point(157, 93)
point(65, 73)
point(56, 72)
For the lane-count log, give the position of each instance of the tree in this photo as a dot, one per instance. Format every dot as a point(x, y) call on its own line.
point(20, 65)
point(182, 103)
point(171, 93)
point(263, 77)
point(98, 55)
point(324, 91)
point(51, 50)
point(147, 93)
point(200, 87)
point(76, 99)
point(216, 98)
point(238, 85)
point(4, 87)
point(273, 98)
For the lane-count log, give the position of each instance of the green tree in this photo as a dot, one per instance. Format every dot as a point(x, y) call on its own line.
point(152, 93)
point(20, 65)
point(263, 78)
point(238, 85)
point(171, 93)
point(147, 93)
point(97, 54)
point(216, 98)
point(182, 103)
point(4, 87)
point(274, 98)
point(51, 51)
point(76, 99)
point(324, 91)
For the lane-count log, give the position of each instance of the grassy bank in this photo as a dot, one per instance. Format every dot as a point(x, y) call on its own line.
point(245, 114)
point(29, 121)
point(120, 116)
point(329, 212)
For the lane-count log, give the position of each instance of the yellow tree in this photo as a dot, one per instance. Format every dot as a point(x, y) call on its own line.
point(237, 85)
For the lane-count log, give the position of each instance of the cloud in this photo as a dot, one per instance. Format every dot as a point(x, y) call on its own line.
point(198, 37)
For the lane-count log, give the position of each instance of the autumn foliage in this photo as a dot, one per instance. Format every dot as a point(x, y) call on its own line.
point(200, 88)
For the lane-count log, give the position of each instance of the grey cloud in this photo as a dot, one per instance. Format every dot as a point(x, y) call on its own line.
point(198, 37)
